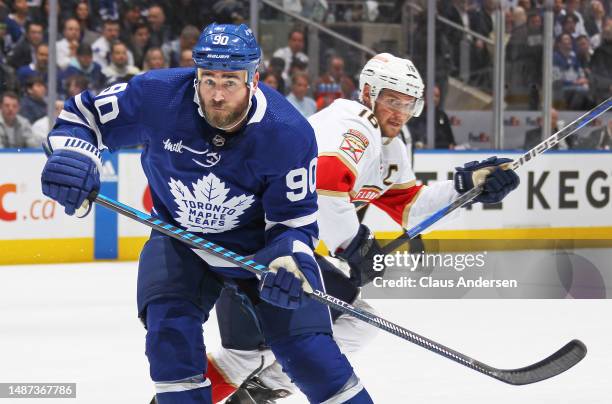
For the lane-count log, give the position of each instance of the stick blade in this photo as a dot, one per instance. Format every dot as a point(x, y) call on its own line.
point(557, 363)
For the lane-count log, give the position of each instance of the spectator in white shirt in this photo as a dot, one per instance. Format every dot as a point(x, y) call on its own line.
point(67, 46)
point(298, 98)
point(293, 50)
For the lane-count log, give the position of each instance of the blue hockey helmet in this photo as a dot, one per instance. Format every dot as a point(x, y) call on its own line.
point(227, 47)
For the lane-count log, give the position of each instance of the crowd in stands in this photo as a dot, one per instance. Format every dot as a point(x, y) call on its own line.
point(103, 42)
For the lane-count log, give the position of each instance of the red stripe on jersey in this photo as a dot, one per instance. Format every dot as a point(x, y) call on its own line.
point(221, 387)
point(395, 201)
point(334, 175)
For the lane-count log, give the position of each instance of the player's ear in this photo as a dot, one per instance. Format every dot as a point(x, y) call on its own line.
point(255, 81)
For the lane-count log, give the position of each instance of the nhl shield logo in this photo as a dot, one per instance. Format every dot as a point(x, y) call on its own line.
point(218, 140)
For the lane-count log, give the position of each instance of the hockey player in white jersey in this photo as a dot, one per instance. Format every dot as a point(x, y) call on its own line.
point(361, 160)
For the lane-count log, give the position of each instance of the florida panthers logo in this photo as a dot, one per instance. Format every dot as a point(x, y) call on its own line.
point(207, 209)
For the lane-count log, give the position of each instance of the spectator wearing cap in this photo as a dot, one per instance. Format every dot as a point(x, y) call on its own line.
point(186, 40)
point(33, 103)
point(84, 65)
point(23, 53)
point(67, 46)
point(15, 130)
point(101, 47)
point(298, 96)
point(119, 70)
point(294, 49)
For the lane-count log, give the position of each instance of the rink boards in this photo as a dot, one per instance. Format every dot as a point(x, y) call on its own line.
point(563, 195)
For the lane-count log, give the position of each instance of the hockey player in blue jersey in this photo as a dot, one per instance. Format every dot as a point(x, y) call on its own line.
point(230, 159)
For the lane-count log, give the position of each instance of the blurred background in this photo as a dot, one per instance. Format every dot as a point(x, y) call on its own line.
point(500, 76)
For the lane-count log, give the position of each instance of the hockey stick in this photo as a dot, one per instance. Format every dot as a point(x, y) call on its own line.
point(465, 198)
point(555, 364)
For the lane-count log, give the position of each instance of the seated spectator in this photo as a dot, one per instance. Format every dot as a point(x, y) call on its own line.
point(15, 130)
point(139, 42)
point(594, 22)
point(8, 79)
point(21, 54)
point(20, 15)
point(130, 17)
point(443, 132)
point(67, 46)
point(298, 98)
point(40, 128)
point(294, 49)
point(87, 23)
point(276, 66)
point(160, 31)
point(272, 80)
point(39, 68)
point(534, 136)
point(570, 8)
point(119, 70)
point(101, 47)
point(75, 84)
point(601, 67)
point(33, 103)
point(154, 59)
point(83, 65)
point(570, 84)
point(186, 58)
point(568, 25)
point(584, 52)
point(187, 40)
point(329, 85)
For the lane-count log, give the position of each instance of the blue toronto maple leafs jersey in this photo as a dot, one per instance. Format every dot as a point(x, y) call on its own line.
point(241, 190)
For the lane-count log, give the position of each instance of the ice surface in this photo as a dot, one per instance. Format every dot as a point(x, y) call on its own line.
point(78, 323)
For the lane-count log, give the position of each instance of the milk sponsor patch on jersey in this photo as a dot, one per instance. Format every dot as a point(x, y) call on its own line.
point(207, 209)
point(354, 144)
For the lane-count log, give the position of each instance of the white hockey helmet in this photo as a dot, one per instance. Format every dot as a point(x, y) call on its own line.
point(387, 71)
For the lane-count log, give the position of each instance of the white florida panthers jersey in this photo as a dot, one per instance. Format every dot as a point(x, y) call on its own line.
point(357, 165)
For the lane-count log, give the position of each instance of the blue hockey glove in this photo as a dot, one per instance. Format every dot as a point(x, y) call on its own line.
point(293, 271)
point(69, 177)
point(494, 172)
point(360, 256)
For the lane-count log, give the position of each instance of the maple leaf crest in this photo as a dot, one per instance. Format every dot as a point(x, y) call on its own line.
point(206, 210)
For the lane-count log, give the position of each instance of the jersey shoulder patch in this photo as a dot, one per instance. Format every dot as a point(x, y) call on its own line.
point(354, 144)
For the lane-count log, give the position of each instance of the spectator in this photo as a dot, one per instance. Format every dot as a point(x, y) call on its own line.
point(187, 40)
point(21, 54)
point(571, 8)
point(160, 32)
point(83, 65)
point(594, 22)
point(20, 14)
point(140, 42)
point(298, 98)
point(67, 46)
point(329, 86)
point(101, 47)
point(276, 66)
point(130, 18)
point(584, 52)
point(273, 80)
point(533, 137)
point(186, 58)
point(568, 25)
point(108, 9)
point(8, 79)
point(457, 12)
point(75, 84)
point(33, 103)
point(154, 59)
point(37, 68)
point(443, 132)
point(15, 130)
point(601, 67)
point(481, 65)
point(602, 137)
point(294, 49)
point(40, 128)
point(569, 80)
point(87, 23)
point(119, 70)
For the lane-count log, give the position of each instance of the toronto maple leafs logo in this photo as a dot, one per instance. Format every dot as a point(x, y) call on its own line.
point(207, 209)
